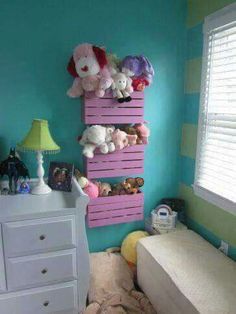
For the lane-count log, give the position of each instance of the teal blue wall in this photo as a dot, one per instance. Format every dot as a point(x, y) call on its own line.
point(37, 38)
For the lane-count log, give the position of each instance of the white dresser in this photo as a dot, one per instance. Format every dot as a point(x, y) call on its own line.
point(44, 258)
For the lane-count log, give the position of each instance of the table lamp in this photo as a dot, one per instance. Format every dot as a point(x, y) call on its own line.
point(39, 140)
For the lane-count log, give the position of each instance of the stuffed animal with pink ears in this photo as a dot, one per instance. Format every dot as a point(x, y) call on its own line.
point(143, 132)
point(122, 139)
point(88, 66)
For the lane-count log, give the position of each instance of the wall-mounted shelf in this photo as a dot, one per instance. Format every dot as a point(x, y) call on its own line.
point(107, 110)
point(104, 211)
point(128, 161)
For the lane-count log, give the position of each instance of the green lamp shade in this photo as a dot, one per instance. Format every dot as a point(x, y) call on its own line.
point(39, 139)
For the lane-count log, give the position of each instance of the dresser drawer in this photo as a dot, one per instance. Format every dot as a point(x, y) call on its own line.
point(53, 299)
point(41, 269)
point(39, 235)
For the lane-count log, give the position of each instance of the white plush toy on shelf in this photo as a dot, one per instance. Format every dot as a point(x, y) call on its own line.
point(122, 87)
point(97, 136)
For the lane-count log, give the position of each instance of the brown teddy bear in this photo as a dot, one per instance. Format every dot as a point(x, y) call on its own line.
point(133, 185)
point(129, 186)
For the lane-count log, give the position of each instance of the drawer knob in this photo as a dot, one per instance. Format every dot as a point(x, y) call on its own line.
point(46, 303)
point(42, 237)
point(44, 271)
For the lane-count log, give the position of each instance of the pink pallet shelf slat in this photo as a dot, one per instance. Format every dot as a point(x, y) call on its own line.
point(107, 110)
point(116, 199)
point(128, 161)
point(104, 211)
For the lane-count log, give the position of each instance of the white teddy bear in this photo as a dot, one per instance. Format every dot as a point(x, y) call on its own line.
point(97, 136)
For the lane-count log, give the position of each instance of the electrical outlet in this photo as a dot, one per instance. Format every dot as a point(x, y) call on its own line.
point(224, 247)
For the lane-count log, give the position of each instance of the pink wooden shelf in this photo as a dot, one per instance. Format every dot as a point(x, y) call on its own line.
point(104, 211)
point(107, 110)
point(126, 162)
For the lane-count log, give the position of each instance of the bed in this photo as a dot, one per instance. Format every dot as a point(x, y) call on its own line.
point(181, 273)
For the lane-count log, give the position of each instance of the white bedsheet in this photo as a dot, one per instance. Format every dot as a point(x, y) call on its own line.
point(181, 273)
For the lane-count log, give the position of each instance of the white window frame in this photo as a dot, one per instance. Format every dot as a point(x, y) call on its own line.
point(217, 19)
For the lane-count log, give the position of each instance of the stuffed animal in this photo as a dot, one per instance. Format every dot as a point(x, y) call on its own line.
point(104, 188)
point(143, 132)
point(90, 188)
point(132, 131)
point(122, 87)
point(122, 139)
point(113, 63)
point(118, 189)
point(88, 66)
point(128, 186)
point(140, 69)
point(139, 84)
point(134, 184)
point(97, 136)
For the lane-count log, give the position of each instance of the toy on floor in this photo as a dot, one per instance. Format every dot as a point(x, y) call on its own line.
point(128, 247)
point(88, 66)
point(97, 136)
point(14, 168)
point(112, 289)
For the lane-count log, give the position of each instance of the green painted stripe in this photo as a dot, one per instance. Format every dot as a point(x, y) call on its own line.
point(193, 69)
point(187, 170)
point(213, 218)
point(209, 236)
point(198, 9)
point(189, 140)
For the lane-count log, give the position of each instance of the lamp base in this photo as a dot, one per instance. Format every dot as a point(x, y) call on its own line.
point(41, 188)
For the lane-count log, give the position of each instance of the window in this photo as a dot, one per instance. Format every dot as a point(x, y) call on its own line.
point(215, 174)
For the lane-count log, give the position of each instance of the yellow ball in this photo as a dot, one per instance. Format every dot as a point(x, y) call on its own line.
point(128, 247)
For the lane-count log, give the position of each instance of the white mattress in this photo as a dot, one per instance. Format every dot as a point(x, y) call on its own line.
point(181, 273)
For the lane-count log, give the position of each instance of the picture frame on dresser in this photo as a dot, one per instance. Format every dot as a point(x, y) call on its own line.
point(60, 176)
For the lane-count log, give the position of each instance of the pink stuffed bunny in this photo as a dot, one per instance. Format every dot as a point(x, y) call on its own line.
point(89, 68)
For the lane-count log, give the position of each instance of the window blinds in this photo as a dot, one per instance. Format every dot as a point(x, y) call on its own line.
point(216, 154)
